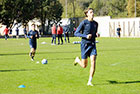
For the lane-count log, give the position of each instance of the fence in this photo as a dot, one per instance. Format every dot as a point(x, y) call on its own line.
point(130, 27)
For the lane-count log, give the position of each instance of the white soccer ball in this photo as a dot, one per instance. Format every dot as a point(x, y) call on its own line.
point(44, 61)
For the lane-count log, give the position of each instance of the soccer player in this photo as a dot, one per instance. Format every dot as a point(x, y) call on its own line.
point(33, 36)
point(53, 34)
point(66, 34)
point(119, 31)
point(17, 33)
point(25, 32)
point(6, 30)
point(59, 33)
point(88, 46)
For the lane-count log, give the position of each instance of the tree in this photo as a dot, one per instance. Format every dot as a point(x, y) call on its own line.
point(20, 11)
point(138, 8)
point(54, 12)
point(50, 10)
point(118, 8)
point(96, 5)
point(131, 8)
point(28, 10)
point(75, 8)
point(113, 8)
point(6, 12)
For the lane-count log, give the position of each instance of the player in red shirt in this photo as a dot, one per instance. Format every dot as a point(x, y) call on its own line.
point(59, 33)
point(53, 34)
point(6, 31)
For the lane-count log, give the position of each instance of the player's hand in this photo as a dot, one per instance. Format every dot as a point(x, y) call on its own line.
point(36, 35)
point(31, 37)
point(89, 36)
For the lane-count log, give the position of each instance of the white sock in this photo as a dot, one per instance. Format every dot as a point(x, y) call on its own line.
point(90, 79)
point(77, 59)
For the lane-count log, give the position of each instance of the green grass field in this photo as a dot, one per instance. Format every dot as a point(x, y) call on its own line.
point(117, 68)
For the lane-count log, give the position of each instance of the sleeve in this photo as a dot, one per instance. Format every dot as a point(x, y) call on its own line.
point(79, 28)
point(67, 30)
point(61, 30)
point(29, 35)
point(37, 34)
point(97, 30)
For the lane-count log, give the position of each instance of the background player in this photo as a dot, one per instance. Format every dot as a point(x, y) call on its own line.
point(33, 36)
point(59, 33)
point(6, 31)
point(53, 29)
point(66, 34)
point(88, 45)
point(119, 31)
point(25, 32)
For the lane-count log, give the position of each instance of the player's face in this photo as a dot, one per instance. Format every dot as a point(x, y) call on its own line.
point(33, 27)
point(90, 14)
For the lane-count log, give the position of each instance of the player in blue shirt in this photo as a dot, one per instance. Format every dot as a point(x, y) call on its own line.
point(17, 33)
point(25, 32)
point(66, 33)
point(119, 31)
point(88, 31)
point(33, 36)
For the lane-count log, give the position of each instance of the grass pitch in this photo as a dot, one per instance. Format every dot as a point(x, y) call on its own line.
point(117, 68)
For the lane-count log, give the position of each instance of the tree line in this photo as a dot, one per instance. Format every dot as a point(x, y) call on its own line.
point(113, 8)
point(22, 11)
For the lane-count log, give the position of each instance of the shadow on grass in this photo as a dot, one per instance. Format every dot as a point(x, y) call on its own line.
point(18, 70)
point(8, 54)
point(61, 59)
point(116, 82)
point(127, 82)
point(119, 49)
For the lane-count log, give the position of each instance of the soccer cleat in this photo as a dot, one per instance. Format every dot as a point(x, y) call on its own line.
point(32, 59)
point(76, 61)
point(89, 84)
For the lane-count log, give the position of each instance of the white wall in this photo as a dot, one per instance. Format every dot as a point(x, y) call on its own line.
point(130, 27)
point(103, 25)
point(107, 26)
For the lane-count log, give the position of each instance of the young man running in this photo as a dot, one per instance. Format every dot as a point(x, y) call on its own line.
point(33, 36)
point(88, 46)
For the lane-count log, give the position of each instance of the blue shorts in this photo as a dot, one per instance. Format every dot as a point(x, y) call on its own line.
point(33, 45)
point(88, 50)
point(118, 33)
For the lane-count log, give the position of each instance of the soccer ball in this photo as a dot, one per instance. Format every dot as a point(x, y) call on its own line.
point(44, 61)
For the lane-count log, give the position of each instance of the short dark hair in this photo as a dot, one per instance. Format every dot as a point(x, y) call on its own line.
point(86, 11)
point(33, 24)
